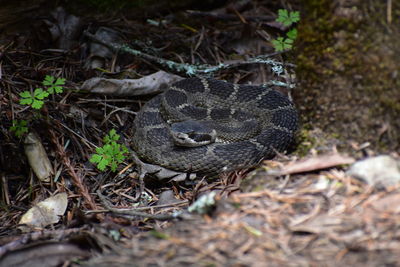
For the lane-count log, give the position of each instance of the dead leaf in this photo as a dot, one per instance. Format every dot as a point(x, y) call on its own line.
point(313, 164)
point(154, 83)
point(45, 212)
point(37, 157)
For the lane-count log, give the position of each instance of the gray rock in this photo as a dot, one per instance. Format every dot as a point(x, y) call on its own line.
point(167, 198)
point(380, 171)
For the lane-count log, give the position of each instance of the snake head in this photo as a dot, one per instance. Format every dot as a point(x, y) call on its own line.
point(192, 133)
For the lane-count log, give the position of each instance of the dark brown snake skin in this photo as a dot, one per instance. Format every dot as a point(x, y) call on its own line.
point(208, 99)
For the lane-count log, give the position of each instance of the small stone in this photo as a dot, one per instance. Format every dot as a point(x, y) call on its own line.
point(377, 171)
point(167, 198)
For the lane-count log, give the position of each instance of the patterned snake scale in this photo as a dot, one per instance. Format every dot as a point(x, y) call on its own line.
point(209, 99)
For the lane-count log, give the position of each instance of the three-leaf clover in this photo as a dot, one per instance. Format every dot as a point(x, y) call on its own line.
point(103, 158)
point(292, 34)
point(281, 44)
point(53, 85)
point(35, 100)
point(111, 153)
point(288, 18)
point(111, 136)
point(19, 127)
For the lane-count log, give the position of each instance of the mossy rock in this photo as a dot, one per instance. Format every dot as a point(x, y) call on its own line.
point(348, 68)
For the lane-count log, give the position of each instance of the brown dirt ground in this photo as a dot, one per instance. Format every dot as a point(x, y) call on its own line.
point(347, 68)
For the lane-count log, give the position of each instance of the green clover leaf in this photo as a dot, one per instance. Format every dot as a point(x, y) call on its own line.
point(26, 98)
point(48, 80)
point(19, 127)
point(287, 18)
point(112, 136)
point(35, 100)
point(53, 85)
point(40, 94)
point(37, 104)
point(111, 154)
point(292, 34)
point(100, 160)
point(281, 44)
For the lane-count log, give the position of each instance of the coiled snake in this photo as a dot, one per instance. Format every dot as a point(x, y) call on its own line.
point(208, 126)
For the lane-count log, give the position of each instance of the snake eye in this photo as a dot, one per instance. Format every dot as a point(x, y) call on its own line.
point(192, 134)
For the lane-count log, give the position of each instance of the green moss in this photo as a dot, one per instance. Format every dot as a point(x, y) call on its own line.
point(346, 65)
point(306, 142)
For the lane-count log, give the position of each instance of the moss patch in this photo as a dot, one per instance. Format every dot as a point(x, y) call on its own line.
point(348, 70)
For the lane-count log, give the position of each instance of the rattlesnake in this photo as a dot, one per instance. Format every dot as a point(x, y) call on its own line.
point(263, 122)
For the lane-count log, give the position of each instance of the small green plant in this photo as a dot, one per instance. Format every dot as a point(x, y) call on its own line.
point(36, 99)
point(287, 19)
point(110, 154)
point(19, 127)
point(54, 85)
point(281, 44)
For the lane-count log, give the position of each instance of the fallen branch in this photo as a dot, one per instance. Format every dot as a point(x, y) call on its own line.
point(76, 179)
point(203, 69)
point(132, 212)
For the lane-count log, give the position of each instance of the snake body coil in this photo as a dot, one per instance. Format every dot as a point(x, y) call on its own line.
point(253, 122)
